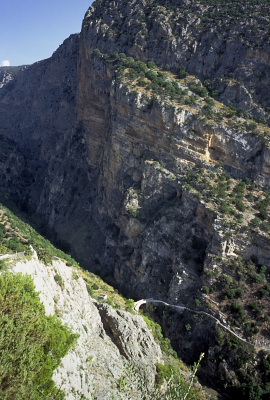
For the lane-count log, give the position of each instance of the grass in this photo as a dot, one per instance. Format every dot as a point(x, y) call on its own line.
point(97, 288)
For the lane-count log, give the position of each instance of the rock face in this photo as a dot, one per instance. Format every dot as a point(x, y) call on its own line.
point(103, 166)
point(7, 74)
point(110, 341)
point(222, 42)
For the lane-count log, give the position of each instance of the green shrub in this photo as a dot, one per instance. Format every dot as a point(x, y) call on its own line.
point(151, 64)
point(191, 100)
point(59, 280)
point(152, 75)
point(255, 222)
point(226, 281)
point(3, 265)
point(182, 73)
point(95, 286)
point(130, 305)
point(205, 289)
point(263, 214)
point(209, 101)
point(164, 373)
point(224, 208)
point(239, 204)
point(208, 111)
point(199, 90)
point(31, 343)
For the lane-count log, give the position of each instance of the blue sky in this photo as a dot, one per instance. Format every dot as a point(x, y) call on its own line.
point(31, 30)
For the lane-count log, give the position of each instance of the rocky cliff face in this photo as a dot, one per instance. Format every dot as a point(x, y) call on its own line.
point(110, 341)
point(217, 40)
point(138, 184)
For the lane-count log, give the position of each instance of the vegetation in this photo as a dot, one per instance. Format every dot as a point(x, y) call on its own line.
point(234, 200)
point(241, 287)
point(241, 358)
point(243, 295)
point(177, 387)
point(97, 288)
point(170, 373)
point(31, 343)
point(171, 384)
point(219, 11)
point(17, 235)
point(243, 207)
point(159, 338)
point(182, 90)
point(153, 80)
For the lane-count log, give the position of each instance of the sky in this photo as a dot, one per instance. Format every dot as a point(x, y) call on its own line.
point(31, 30)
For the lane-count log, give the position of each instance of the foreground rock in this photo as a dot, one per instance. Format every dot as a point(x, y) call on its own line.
point(110, 344)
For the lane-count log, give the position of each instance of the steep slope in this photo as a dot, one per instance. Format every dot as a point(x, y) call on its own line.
point(136, 171)
point(115, 353)
point(217, 40)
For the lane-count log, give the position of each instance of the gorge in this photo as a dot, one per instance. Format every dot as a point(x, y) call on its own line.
point(141, 148)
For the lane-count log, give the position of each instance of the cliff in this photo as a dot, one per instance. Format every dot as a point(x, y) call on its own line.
point(142, 148)
point(110, 341)
point(115, 353)
point(220, 41)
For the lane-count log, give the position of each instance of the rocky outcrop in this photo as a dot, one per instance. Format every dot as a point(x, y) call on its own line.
point(111, 342)
point(7, 74)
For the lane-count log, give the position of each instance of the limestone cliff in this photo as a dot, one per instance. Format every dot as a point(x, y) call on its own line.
point(110, 341)
point(136, 167)
point(226, 42)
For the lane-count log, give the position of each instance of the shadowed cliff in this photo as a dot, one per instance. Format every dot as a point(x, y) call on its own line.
point(142, 148)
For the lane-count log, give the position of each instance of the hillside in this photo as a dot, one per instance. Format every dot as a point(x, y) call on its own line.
point(107, 351)
point(142, 149)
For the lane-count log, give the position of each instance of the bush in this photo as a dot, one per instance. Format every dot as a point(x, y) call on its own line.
point(263, 214)
point(95, 286)
point(224, 208)
point(205, 289)
point(152, 75)
point(151, 64)
point(239, 204)
point(59, 280)
point(191, 100)
point(210, 101)
point(255, 222)
point(31, 343)
point(199, 90)
point(208, 111)
point(3, 265)
point(182, 73)
point(164, 372)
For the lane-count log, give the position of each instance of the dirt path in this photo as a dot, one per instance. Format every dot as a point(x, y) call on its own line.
point(182, 308)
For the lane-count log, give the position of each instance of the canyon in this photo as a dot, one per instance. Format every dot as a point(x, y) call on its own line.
point(141, 148)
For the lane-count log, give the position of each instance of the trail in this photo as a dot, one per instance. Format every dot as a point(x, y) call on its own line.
point(145, 301)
